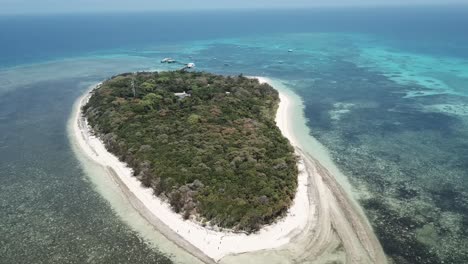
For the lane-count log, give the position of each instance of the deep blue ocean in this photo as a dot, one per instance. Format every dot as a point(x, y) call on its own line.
point(29, 38)
point(385, 90)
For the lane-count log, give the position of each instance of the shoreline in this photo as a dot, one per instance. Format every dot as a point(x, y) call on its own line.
point(324, 222)
point(342, 232)
point(205, 243)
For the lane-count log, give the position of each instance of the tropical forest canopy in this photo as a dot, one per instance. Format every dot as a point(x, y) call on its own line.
point(216, 155)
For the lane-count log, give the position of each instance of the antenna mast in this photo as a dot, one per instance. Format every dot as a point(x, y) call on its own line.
point(133, 86)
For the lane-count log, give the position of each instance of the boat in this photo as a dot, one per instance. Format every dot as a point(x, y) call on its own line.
point(168, 60)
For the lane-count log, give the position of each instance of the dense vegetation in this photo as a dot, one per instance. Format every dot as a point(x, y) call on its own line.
point(216, 155)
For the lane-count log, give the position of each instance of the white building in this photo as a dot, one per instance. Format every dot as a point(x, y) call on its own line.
point(182, 95)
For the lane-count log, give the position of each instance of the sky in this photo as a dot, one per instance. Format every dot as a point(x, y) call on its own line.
point(71, 6)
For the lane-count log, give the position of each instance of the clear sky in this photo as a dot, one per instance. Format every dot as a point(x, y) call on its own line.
point(60, 6)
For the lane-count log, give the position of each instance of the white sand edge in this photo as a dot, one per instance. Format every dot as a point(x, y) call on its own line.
point(213, 244)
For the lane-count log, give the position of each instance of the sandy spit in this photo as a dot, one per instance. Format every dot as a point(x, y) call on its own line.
point(324, 224)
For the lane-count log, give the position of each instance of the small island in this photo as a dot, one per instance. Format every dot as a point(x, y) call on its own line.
point(219, 167)
point(205, 143)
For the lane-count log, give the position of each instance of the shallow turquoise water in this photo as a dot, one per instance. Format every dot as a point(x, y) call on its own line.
point(392, 110)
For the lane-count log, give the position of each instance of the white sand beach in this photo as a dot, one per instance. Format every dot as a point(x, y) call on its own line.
point(214, 244)
point(322, 220)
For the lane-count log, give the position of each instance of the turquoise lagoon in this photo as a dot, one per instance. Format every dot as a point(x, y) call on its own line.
point(389, 100)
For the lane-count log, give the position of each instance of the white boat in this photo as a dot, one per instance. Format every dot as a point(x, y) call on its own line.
point(168, 60)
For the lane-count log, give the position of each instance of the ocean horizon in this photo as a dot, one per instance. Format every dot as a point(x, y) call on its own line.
point(384, 89)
